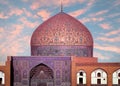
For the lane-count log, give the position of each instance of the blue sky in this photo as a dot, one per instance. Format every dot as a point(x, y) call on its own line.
point(19, 18)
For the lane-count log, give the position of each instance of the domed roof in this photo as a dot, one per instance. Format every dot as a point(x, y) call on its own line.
point(62, 29)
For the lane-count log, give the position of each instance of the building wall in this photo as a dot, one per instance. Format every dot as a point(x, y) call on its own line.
point(24, 65)
point(89, 67)
point(86, 64)
point(6, 69)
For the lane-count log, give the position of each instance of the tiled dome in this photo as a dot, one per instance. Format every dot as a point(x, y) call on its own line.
point(61, 30)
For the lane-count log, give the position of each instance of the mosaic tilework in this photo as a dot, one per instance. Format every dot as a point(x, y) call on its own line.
point(62, 51)
point(23, 67)
point(62, 29)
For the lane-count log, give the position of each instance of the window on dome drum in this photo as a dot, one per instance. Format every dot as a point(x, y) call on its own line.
point(116, 77)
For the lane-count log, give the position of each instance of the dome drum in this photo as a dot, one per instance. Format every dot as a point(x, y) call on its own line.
point(54, 50)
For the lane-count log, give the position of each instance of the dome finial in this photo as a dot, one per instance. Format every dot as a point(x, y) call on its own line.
point(61, 6)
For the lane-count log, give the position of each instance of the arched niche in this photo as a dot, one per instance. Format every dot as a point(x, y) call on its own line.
point(41, 75)
point(81, 77)
point(2, 78)
point(116, 77)
point(98, 76)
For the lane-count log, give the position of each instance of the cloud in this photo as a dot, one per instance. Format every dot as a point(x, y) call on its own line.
point(116, 3)
point(110, 48)
point(105, 26)
point(5, 2)
point(12, 45)
point(54, 3)
point(113, 15)
point(25, 0)
point(12, 11)
point(93, 19)
point(101, 56)
point(2, 16)
point(114, 32)
point(44, 14)
point(102, 12)
point(78, 12)
point(114, 39)
point(82, 11)
point(15, 11)
point(1, 29)
point(17, 29)
point(28, 14)
point(10, 48)
point(35, 5)
point(27, 23)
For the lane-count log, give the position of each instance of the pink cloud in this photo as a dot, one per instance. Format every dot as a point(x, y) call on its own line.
point(17, 29)
point(110, 48)
point(16, 47)
point(82, 11)
point(93, 19)
point(2, 16)
point(39, 3)
point(1, 29)
point(28, 14)
point(25, 0)
point(101, 56)
point(15, 11)
point(44, 14)
point(113, 15)
point(78, 12)
point(3, 2)
point(105, 26)
point(114, 32)
point(115, 39)
point(99, 13)
point(35, 5)
point(116, 3)
point(27, 23)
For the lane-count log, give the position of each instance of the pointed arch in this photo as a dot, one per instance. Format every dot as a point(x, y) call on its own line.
point(116, 77)
point(41, 75)
point(99, 76)
point(81, 77)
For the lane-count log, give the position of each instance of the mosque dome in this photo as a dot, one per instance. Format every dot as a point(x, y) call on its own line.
point(62, 35)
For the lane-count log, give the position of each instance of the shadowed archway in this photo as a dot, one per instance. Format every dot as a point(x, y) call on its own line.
point(41, 75)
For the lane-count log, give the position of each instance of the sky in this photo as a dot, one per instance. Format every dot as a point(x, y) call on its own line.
point(19, 18)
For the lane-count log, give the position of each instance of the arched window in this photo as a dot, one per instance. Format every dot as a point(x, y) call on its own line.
point(116, 77)
point(81, 77)
point(99, 76)
point(2, 78)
